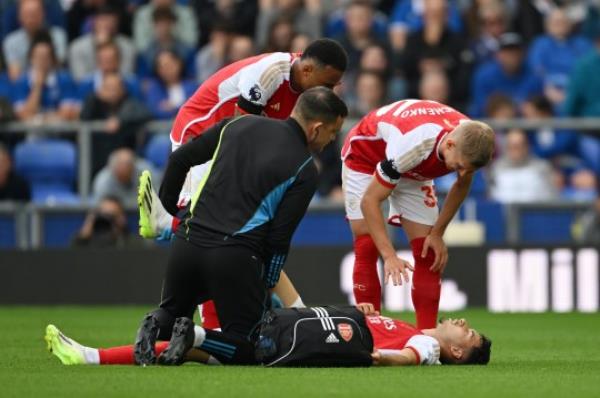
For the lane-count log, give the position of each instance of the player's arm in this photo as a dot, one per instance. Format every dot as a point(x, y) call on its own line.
point(404, 357)
point(370, 205)
point(288, 294)
point(456, 196)
point(289, 213)
point(258, 82)
point(198, 151)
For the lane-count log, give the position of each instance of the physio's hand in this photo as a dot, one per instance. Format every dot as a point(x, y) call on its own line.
point(396, 269)
point(436, 243)
point(367, 308)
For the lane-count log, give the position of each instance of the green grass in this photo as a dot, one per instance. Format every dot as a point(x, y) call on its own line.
point(545, 355)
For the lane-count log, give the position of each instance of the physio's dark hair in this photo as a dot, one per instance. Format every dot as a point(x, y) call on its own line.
point(327, 52)
point(320, 103)
point(480, 355)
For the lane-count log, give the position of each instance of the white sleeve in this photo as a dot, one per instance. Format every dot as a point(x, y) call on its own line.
point(404, 150)
point(259, 81)
point(426, 347)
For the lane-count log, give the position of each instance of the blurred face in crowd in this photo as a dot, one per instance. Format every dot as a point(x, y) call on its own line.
point(434, 86)
point(241, 47)
point(517, 147)
point(558, 24)
point(123, 165)
point(113, 210)
point(31, 15)
point(299, 43)
point(163, 3)
point(288, 5)
point(163, 29)
point(493, 19)
point(106, 25)
point(107, 59)
point(359, 19)
point(112, 90)
point(510, 59)
point(169, 67)
point(42, 57)
point(370, 89)
point(282, 34)
point(434, 9)
point(374, 59)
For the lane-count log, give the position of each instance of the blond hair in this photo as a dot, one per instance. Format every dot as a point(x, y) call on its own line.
point(476, 142)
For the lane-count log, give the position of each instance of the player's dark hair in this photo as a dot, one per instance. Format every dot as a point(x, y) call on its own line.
point(480, 355)
point(320, 103)
point(327, 52)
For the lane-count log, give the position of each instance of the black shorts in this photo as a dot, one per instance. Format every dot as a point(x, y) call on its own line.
point(315, 336)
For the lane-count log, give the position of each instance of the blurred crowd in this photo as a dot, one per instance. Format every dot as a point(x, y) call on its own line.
point(130, 61)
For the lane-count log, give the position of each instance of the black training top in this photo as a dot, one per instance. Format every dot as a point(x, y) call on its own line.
point(258, 187)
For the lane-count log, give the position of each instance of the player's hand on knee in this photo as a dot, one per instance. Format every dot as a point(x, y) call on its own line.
point(437, 244)
point(367, 308)
point(396, 269)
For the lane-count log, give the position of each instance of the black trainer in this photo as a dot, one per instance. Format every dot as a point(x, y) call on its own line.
point(145, 341)
point(182, 340)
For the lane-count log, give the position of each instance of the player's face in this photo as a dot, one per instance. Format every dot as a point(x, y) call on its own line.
point(459, 333)
point(456, 162)
point(324, 134)
point(326, 76)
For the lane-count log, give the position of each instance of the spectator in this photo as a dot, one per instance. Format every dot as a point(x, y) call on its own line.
point(240, 47)
point(581, 187)
point(6, 111)
point(434, 86)
point(108, 61)
point(16, 45)
point(12, 186)
point(553, 55)
point(44, 91)
point(105, 226)
point(239, 14)
point(9, 15)
point(82, 55)
point(375, 58)
point(281, 34)
point(123, 117)
point(81, 15)
point(169, 91)
point(407, 17)
point(359, 32)
point(186, 29)
point(212, 56)
point(119, 178)
point(305, 17)
point(164, 22)
point(370, 94)
point(518, 176)
point(583, 99)
point(493, 21)
point(435, 47)
point(508, 74)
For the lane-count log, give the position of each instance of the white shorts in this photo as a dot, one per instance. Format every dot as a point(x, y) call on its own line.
point(411, 199)
point(192, 180)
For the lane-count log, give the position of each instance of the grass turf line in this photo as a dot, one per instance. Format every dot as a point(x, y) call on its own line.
point(549, 355)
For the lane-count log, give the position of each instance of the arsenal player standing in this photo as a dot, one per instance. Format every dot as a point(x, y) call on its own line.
point(393, 154)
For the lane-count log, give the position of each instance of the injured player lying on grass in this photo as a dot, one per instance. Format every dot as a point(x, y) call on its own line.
point(330, 336)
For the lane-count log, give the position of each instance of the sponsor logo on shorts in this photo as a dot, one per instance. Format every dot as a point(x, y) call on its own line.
point(345, 331)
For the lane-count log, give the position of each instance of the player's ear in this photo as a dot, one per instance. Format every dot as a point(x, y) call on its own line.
point(457, 352)
point(307, 68)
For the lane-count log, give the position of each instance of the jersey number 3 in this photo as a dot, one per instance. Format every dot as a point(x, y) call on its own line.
point(430, 198)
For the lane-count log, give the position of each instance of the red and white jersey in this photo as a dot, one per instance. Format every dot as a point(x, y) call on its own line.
point(401, 139)
point(262, 81)
point(393, 335)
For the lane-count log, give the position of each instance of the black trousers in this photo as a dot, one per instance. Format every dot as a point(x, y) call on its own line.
point(231, 276)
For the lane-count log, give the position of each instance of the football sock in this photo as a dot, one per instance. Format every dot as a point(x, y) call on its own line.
point(199, 336)
point(298, 303)
point(366, 284)
point(426, 286)
point(210, 320)
point(124, 355)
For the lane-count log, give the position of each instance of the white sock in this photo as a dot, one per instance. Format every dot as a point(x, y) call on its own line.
point(298, 303)
point(212, 361)
point(199, 336)
point(91, 355)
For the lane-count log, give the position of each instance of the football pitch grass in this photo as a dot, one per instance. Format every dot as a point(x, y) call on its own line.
point(533, 355)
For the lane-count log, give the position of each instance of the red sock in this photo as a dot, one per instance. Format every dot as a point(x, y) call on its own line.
point(124, 355)
point(426, 286)
point(367, 287)
point(210, 320)
point(175, 224)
